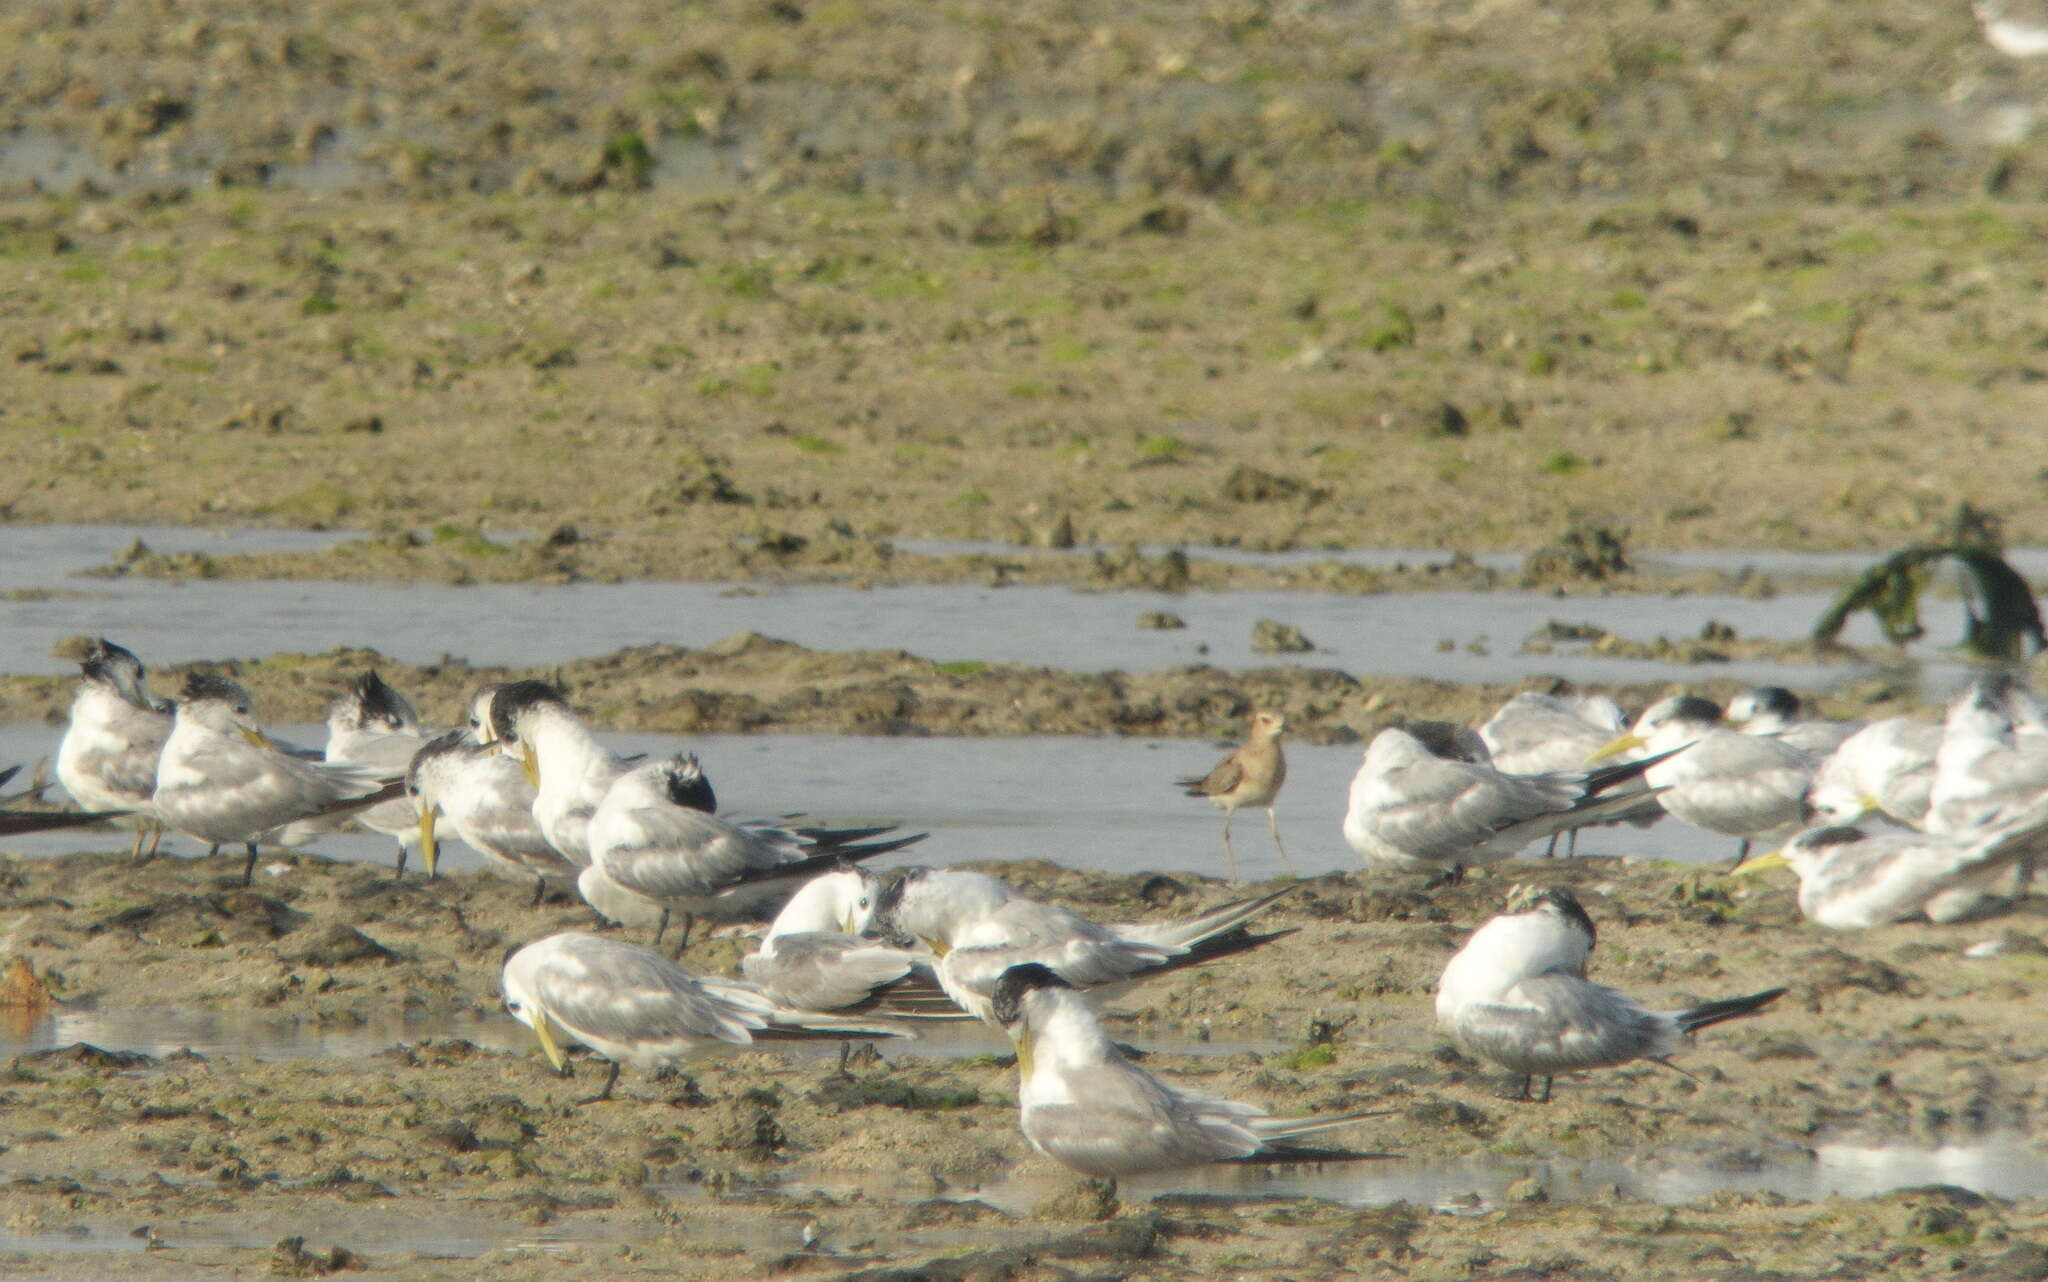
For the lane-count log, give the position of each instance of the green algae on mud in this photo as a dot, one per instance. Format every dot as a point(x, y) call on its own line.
point(724, 1167)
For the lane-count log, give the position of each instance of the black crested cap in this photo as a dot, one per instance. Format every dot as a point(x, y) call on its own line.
point(1567, 903)
point(515, 699)
point(1776, 699)
point(1838, 835)
point(375, 697)
point(212, 685)
point(1015, 982)
point(1690, 707)
point(1445, 739)
point(687, 784)
point(507, 958)
point(101, 650)
point(890, 897)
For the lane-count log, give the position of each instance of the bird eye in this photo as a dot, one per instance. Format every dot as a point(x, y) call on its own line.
point(863, 903)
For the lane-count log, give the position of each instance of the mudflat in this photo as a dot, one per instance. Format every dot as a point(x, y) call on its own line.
point(469, 1146)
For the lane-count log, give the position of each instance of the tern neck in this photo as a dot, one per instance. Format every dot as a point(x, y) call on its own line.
point(562, 743)
point(1067, 1034)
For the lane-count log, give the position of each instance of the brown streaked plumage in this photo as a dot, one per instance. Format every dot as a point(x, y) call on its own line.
point(1250, 776)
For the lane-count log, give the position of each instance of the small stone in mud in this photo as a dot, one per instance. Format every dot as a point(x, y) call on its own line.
point(1160, 621)
point(290, 1259)
point(1160, 889)
point(1085, 1200)
point(1270, 636)
point(1527, 1189)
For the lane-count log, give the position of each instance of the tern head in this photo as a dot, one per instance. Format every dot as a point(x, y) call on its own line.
point(1450, 741)
point(930, 904)
point(515, 704)
point(843, 901)
point(218, 703)
point(1558, 902)
point(368, 703)
point(514, 711)
point(1804, 852)
point(425, 776)
point(480, 711)
point(1774, 702)
point(1012, 996)
point(113, 668)
point(520, 985)
point(1667, 723)
point(685, 782)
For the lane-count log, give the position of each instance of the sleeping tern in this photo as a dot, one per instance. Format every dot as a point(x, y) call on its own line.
point(1516, 995)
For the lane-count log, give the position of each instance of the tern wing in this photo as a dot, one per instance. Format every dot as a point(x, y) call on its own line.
point(16, 823)
point(1555, 1023)
point(671, 852)
point(1442, 809)
point(822, 971)
point(1083, 952)
point(621, 993)
point(1117, 1119)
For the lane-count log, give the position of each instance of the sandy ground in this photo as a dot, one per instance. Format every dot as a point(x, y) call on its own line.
point(1273, 275)
point(1890, 1035)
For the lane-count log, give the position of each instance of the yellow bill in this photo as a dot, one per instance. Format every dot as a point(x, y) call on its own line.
point(429, 852)
point(530, 762)
point(1615, 747)
point(547, 1042)
point(1775, 859)
point(1023, 1045)
point(258, 738)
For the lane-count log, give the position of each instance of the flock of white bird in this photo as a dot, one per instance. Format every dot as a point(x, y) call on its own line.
point(1881, 822)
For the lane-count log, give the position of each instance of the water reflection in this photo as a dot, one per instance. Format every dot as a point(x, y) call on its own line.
point(1092, 803)
point(1457, 636)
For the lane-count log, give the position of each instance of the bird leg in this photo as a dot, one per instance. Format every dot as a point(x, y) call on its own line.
point(1550, 851)
point(1741, 854)
point(1230, 851)
point(135, 851)
point(1571, 844)
point(540, 890)
point(1273, 822)
point(689, 924)
point(1527, 1083)
point(399, 871)
point(661, 928)
point(611, 1079)
point(1544, 1100)
point(249, 869)
point(156, 838)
